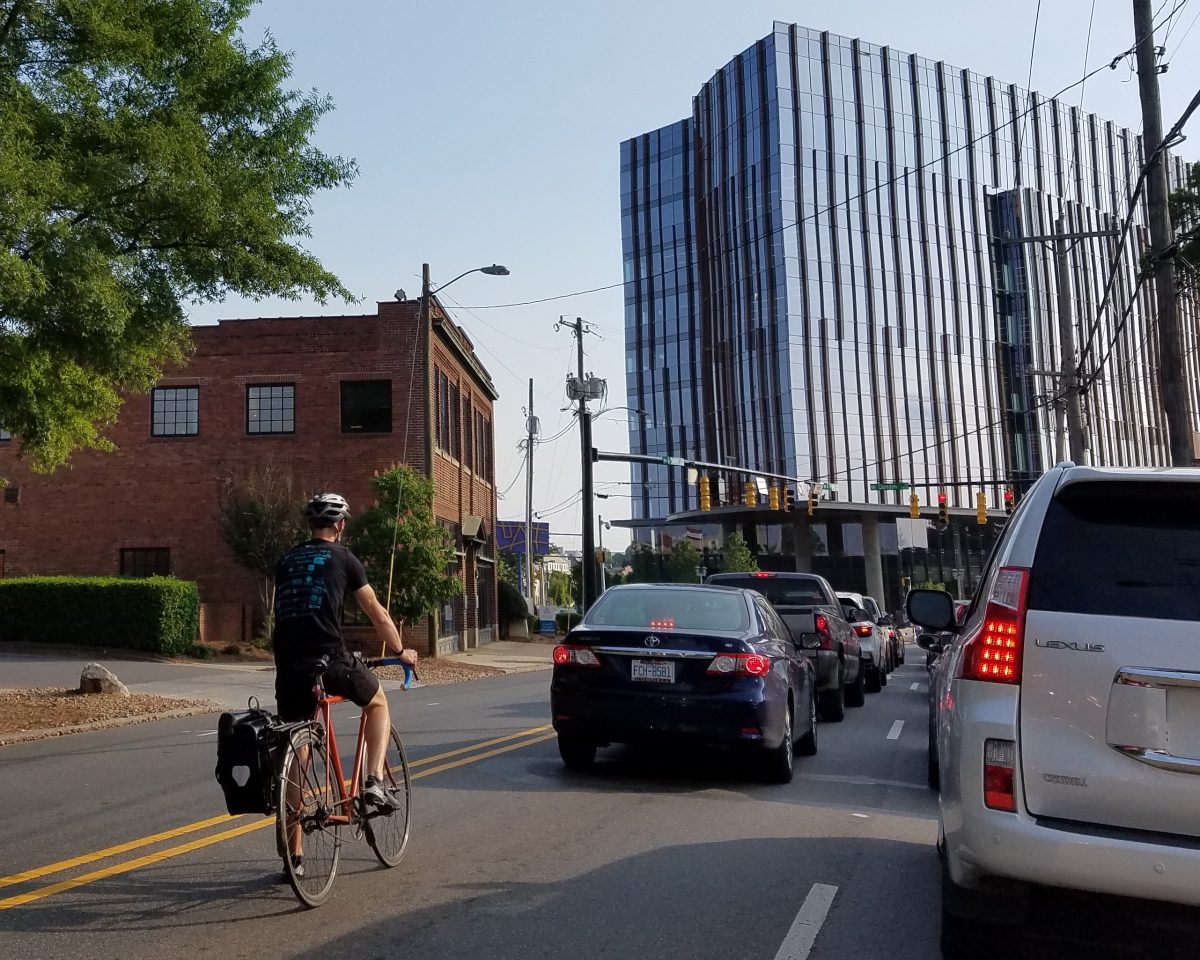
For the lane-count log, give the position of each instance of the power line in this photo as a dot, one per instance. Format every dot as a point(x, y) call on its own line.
point(561, 296)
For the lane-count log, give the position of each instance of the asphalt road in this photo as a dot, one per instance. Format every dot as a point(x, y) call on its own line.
point(651, 855)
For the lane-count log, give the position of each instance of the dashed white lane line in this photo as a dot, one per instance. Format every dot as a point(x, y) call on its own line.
point(915, 686)
point(207, 733)
point(798, 943)
point(894, 733)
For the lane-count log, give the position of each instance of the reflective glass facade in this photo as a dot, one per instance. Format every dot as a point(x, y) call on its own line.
point(820, 278)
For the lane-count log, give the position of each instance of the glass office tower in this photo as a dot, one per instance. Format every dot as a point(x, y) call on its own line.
point(822, 278)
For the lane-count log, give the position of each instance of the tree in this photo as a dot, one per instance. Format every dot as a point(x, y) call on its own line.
point(149, 158)
point(738, 558)
point(683, 562)
point(560, 589)
point(422, 580)
point(260, 519)
point(1185, 215)
point(643, 564)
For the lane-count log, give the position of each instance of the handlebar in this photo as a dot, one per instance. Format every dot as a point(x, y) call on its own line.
point(410, 674)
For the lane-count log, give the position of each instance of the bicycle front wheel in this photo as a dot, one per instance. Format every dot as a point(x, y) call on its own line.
point(308, 797)
point(387, 830)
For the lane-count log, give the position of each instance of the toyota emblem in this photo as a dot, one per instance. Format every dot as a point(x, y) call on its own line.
point(652, 641)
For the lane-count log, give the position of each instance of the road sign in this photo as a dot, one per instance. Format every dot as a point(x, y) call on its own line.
point(890, 486)
point(674, 461)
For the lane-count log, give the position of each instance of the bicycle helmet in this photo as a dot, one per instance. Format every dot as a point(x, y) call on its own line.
point(326, 509)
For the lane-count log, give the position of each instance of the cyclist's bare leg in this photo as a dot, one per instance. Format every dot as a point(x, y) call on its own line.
point(295, 799)
point(378, 729)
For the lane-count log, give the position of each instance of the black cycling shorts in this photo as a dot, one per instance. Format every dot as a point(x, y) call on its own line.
point(345, 677)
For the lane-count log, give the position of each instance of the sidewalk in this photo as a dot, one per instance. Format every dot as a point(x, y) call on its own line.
point(228, 684)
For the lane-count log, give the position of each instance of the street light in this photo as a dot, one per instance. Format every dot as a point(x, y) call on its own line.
point(426, 337)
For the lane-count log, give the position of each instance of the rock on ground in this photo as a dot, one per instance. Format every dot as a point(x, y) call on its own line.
point(97, 678)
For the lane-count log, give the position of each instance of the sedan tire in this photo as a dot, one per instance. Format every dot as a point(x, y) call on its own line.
point(874, 679)
point(577, 754)
point(778, 766)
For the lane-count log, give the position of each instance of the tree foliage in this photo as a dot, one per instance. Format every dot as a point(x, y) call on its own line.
point(149, 158)
point(683, 562)
point(643, 563)
point(260, 517)
point(1185, 216)
point(421, 582)
point(560, 589)
point(737, 556)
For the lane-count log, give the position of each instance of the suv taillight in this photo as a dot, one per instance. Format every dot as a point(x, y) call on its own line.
point(567, 655)
point(994, 653)
point(740, 664)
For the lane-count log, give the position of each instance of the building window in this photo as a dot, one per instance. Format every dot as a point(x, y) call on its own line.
point(445, 399)
point(12, 494)
point(483, 446)
point(366, 406)
point(2, 559)
point(455, 423)
point(468, 435)
point(175, 412)
point(146, 562)
point(4, 435)
point(271, 408)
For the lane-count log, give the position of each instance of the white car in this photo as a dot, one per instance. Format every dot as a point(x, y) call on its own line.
point(874, 645)
point(1068, 713)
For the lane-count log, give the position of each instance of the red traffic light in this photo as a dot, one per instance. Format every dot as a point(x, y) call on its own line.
point(941, 499)
point(1008, 497)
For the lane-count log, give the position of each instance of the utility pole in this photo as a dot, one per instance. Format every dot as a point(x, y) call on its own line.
point(1162, 263)
point(1068, 389)
point(580, 389)
point(603, 567)
point(531, 432)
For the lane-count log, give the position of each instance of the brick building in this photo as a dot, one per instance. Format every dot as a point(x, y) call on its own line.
point(328, 400)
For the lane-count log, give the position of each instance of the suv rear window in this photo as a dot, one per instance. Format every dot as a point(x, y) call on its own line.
point(1124, 549)
point(779, 591)
point(685, 609)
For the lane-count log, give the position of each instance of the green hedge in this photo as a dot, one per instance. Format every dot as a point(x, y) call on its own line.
point(565, 622)
point(155, 614)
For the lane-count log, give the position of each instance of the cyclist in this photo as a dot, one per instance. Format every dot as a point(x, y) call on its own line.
point(311, 582)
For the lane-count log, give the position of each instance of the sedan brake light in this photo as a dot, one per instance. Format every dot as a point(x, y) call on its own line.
point(566, 655)
point(740, 664)
point(864, 629)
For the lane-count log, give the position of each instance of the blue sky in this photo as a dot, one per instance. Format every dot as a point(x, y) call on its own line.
point(489, 132)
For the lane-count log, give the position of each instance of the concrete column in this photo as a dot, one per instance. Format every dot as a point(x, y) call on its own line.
point(802, 541)
point(873, 558)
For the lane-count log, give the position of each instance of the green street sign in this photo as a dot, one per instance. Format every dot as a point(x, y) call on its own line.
point(890, 486)
point(674, 461)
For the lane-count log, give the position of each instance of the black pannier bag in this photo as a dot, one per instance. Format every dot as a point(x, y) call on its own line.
point(249, 749)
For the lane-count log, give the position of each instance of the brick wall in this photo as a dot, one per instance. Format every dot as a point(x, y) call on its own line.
point(163, 491)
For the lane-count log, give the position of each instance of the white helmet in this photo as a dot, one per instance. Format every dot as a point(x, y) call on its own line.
point(326, 509)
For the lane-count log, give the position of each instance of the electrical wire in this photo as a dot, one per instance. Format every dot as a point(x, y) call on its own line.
point(561, 296)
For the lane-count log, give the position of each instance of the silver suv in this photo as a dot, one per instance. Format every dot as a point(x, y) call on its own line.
point(1067, 708)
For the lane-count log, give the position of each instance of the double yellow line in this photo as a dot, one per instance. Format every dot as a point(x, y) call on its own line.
point(534, 734)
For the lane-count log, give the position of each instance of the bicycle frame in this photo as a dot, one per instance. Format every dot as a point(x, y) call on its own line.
point(334, 767)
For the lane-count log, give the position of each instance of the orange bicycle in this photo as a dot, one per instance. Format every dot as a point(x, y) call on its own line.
point(314, 808)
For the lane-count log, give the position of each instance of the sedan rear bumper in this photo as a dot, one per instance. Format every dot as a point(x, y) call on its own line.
point(744, 715)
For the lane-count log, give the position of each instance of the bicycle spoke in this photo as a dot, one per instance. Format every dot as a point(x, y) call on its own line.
point(307, 800)
point(387, 830)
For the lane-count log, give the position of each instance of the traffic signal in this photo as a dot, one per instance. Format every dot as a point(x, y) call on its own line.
point(943, 510)
point(1009, 500)
point(981, 508)
point(601, 556)
point(914, 507)
point(751, 495)
point(789, 497)
point(705, 494)
point(773, 497)
point(812, 501)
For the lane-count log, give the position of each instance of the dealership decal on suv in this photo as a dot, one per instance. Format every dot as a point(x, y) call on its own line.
point(1065, 781)
point(1070, 645)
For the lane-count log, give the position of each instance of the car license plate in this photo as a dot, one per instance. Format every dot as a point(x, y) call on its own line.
point(654, 671)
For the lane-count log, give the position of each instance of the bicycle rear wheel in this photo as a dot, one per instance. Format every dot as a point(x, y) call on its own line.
point(308, 797)
point(387, 830)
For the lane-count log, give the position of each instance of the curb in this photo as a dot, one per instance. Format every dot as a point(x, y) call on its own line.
point(7, 739)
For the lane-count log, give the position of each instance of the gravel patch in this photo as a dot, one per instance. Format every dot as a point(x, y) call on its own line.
point(437, 672)
point(53, 708)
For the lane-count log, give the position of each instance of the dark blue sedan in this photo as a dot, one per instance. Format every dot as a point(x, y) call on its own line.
point(671, 661)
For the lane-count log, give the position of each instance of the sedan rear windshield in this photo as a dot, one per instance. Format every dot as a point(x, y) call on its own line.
point(665, 608)
point(780, 591)
point(1123, 549)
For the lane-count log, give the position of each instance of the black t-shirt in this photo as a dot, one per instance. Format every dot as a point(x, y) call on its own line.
point(311, 582)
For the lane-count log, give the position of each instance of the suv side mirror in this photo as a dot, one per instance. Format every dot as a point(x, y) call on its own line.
point(927, 641)
point(931, 609)
point(810, 641)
